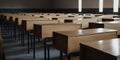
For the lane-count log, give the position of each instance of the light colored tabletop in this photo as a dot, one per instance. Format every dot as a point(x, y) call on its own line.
point(110, 46)
point(86, 32)
point(112, 18)
point(60, 24)
point(109, 22)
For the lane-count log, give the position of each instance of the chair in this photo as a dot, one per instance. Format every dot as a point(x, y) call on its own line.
point(47, 43)
point(106, 20)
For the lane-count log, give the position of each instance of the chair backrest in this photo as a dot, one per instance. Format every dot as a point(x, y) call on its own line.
point(105, 20)
point(94, 25)
point(68, 21)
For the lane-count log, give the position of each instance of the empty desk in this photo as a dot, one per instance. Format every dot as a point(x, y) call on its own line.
point(46, 30)
point(109, 19)
point(101, 50)
point(111, 25)
point(68, 41)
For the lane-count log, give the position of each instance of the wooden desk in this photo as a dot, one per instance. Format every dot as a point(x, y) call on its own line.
point(111, 25)
point(85, 21)
point(19, 19)
point(101, 50)
point(67, 20)
point(28, 24)
point(97, 15)
point(109, 19)
point(46, 30)
point(116, 19)
point(8, 16)
point(109, 16)
point(68, 41)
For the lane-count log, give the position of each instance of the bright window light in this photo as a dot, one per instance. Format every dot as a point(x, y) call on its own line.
point(115, 5)
point(100, 5)
point(80, 5)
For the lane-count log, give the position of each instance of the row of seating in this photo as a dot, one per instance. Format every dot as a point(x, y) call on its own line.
point(41, 26)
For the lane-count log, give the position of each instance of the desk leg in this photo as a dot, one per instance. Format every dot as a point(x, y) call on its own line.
point(48, 48)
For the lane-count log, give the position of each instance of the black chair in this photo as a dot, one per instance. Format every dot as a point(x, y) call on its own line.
point(107, 20)
point(47, 43)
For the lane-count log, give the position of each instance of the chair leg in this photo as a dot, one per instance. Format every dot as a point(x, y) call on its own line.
point(61, 55)
point(31, 42)
point(33, 47)
point(22, 37)
point(45, 51)
point(19, 38)
point(28, 44)
point(48, 48)
point(38, 38)
point(11, 32)
point(15, 32)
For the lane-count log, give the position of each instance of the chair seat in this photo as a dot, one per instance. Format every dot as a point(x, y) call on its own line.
point(31, 34)
point(48, 43)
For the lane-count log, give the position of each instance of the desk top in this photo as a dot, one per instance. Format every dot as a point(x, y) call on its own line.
point(110, 46)
point(109, 22)
point(112, 18)
point(61, 24)
point(116, 18)
point(32, 18)
point(86, 32)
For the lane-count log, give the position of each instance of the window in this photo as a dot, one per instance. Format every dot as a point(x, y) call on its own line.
point(80, 5)
point(115, 5)
point(100, 5)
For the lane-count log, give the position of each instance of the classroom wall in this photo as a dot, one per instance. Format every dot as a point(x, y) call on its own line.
point(53, 5)
point(108, 3)
point(86, 3)
point(90, 3)
point(24, 3)
point(64, 4)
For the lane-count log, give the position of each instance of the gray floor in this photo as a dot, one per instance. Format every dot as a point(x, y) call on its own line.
point(15, 51)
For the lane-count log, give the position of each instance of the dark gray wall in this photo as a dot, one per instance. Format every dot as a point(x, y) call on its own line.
point(52, 5)
point(24, 3)
point(108, 3)
point(90, 3)
point(64, 4)
point(86, 3)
